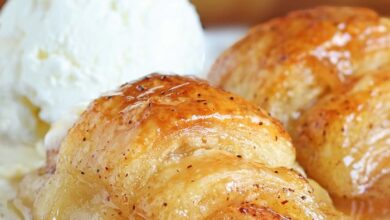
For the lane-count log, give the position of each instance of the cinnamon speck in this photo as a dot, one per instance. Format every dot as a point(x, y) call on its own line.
point(140, 88)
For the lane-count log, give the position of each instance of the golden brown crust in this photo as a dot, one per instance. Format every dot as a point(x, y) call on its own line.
point(169, 147)
point(322, 63)
point(343, 142)
point(286, 64)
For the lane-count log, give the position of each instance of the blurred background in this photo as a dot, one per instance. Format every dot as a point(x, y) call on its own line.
point(250, 12)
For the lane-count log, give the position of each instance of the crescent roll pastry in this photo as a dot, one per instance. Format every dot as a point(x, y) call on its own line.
point(170, 147)
point(286, 64)
point(344, 143)
point(324, 73)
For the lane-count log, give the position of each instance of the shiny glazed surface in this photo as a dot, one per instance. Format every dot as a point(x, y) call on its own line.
point(169, 147)
point(286, 64)
point(318, 63)
point(344, 143)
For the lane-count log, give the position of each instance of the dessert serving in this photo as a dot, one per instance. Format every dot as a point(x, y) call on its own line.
point(80, 140)
point(170, 147)
point(324, 73)
point(56, 56)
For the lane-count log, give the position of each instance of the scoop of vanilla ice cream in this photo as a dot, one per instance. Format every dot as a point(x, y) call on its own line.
point(57, 54)
point(66, 52)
